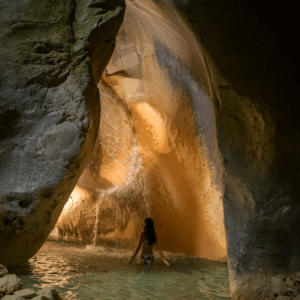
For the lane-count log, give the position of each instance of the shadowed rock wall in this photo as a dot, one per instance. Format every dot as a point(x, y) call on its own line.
point(156, 153)
point(250, 53)
point(49, 110)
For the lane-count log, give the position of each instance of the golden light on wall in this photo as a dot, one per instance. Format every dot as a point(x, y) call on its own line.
point(156, 153)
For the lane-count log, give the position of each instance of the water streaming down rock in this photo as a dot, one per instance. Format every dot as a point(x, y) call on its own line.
point(156, 152)
point(120, 192)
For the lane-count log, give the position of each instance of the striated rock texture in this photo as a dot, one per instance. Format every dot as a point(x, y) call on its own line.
point(156, 153)
point(52, 56)
point(253, 63)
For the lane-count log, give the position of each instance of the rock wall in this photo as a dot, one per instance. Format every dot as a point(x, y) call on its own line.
point(250, 53)
point(247, 64)
point(156, 153)
point(49, 110)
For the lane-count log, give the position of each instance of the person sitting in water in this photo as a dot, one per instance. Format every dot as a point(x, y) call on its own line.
point(147, 240)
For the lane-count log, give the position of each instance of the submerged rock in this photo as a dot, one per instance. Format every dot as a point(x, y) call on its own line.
point(10, 284)
point(49, 292)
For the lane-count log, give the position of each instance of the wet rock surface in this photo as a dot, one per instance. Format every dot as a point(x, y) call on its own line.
point(156, 152)
point(11, 289)
point(253, 66)
point(51, 58)
point(49, 292)
point(47, 124)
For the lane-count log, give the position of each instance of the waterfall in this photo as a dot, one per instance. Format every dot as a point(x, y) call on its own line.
point(156, 153)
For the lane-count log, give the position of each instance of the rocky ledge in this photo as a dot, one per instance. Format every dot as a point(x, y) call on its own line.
point(11, 289)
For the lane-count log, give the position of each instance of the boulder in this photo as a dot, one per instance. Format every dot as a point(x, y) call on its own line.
point(10, 284)
point(40, 298)
point(296, 291)
point(283, 276)
point(296, 279)
point(290, 282)
point(3, 271)
point(278, 285)
point(297, 298)
point(26, 293)
point(49, 292)
point(12, 297)
point(284, 298)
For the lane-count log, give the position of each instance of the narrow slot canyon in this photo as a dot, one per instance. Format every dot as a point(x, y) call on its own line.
point(156, 152)
point(114, 111)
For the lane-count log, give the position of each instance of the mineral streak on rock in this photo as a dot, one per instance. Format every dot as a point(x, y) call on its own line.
point(50, 59)
point(156, 153)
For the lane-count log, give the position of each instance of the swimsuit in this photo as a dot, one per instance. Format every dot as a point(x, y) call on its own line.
point(147, 258)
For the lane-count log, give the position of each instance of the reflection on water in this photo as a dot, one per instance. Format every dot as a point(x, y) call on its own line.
point(87, 272)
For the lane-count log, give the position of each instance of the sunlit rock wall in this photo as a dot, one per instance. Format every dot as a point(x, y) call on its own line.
point(156, 153)
point(49, 110)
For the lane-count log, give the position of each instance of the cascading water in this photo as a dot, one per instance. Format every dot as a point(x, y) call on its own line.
point(156, 154)
point(117, 178)
point(136, 176)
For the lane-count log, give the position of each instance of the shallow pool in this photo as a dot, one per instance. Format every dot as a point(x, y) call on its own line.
point(86, 272)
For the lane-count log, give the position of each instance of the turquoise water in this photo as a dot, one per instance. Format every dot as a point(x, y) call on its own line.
point(92, 273)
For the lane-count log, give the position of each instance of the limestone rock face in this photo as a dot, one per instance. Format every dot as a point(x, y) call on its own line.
point(52, 56)
point(252, 59)
point(156, 153)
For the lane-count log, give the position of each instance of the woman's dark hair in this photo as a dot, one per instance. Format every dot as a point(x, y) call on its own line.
point(149, 231)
